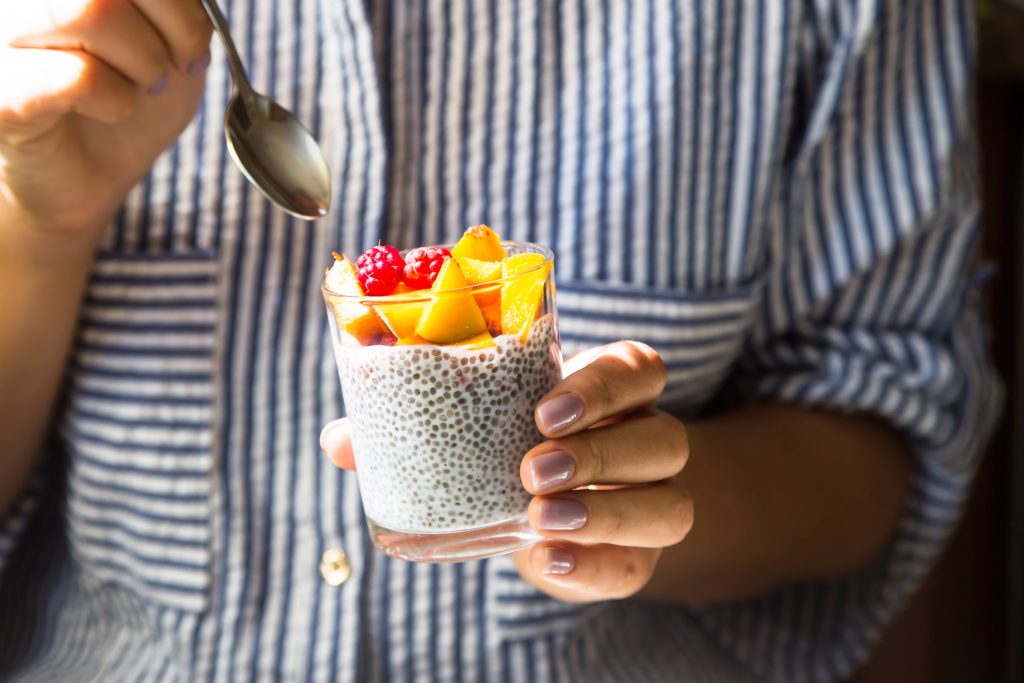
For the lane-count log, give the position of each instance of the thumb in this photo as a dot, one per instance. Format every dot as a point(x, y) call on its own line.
point(336, 442)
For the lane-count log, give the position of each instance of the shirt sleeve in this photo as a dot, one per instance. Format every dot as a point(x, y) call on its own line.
point(870, 305)
point(14, 525)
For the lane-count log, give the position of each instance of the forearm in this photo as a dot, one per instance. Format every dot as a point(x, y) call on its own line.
point(782, 494)
point(42, 280)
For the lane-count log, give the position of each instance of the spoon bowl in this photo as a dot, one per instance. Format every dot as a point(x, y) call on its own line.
point(278, 155)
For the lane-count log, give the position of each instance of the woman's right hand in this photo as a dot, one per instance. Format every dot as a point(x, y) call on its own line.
point(92, 92)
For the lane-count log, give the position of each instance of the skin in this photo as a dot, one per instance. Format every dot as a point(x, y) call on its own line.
point(92, 92)
point(702, 512)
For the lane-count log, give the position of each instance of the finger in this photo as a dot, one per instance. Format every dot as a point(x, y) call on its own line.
point(44, 83)
point(576, 573)
point(654, 516)
point(112, 30)
point(185, 28)
point(618, 378)
point(336, 442)
point(644, 448)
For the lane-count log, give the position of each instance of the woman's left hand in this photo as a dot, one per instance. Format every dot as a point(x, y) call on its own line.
point(607, 497)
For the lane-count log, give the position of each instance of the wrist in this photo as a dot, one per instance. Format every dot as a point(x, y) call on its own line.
point(782, 494)
point(38, 244)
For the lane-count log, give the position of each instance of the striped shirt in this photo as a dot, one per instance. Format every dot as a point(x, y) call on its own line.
point(778, 196)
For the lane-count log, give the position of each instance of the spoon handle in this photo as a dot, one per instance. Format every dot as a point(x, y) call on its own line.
point(220, 25)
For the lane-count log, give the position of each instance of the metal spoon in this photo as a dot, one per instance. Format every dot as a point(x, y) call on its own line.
point(271, 147)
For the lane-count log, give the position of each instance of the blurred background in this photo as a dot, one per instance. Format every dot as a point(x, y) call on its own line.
point(967, 623)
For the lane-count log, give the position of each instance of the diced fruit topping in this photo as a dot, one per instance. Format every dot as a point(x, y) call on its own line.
point(402, 318)
point(412, 341)
point(478, 271)
point(480, 341)
point(520, 263)
point(423, 307)
point(367, 329)
point(380, 270)
point(450, 317)
point(488, 299)
point(354, 318)
point(342, 278)
point(521, 293)
point(422, 266)
point(479, 242)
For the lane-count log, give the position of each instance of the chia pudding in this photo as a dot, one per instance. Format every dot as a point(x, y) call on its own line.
point(441, 430)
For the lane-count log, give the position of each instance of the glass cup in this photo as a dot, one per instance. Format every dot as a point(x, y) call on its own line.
point(439, 429)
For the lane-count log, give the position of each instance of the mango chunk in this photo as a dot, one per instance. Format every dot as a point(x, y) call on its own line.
point(479, 242)
point(489, 301)
point(401, 318)
point(484, 340)
point(522, 291)
point(353, 318)
point(479, 272)
point(412, 340)
point(450, 318)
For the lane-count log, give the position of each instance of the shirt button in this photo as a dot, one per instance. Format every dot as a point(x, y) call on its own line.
point(334, 567)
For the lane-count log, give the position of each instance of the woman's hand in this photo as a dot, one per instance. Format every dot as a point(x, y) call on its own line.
point(607, 499)
point(92, 92)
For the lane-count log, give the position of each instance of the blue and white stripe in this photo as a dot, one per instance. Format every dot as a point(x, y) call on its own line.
point(137, 426)
point(779, 196)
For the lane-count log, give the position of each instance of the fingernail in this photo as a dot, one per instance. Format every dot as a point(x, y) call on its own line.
point(559, 412)
point(562, 514)
point(198, 65)
point(558, 562)
point(160, 85)
point(325, 433)
point(549, 470)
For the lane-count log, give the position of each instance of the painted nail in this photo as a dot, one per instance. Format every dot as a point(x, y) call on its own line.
point(559, 412)
point(160, 85)
point(198, 65)
point(558, 561)
point(549, 470)
point(562, 514)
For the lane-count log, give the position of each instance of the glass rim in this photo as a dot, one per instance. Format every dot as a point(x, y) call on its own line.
point(410, 297)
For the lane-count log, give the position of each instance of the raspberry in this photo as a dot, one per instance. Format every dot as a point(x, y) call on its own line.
point(380, 270)
point(421, 266)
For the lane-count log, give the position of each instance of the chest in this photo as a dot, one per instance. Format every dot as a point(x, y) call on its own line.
point(642, 141)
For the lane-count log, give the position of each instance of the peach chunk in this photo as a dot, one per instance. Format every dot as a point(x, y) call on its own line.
point(489, 301)
point(484, 340)
point(412, 341)
point(521, 293)
point(478, 272)
point(402, 318)
point(353, 318)
point(450, 317)
point(479, 242)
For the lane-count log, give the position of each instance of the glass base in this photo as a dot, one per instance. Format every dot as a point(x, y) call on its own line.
point(455, 546)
